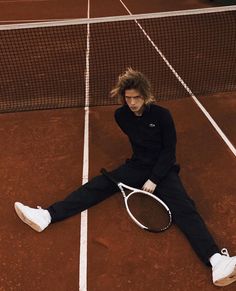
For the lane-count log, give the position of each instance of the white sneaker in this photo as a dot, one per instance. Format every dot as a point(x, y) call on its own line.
point(38, 218)
point(224, 273)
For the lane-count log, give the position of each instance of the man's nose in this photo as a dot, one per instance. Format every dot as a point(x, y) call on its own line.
point(132, 101)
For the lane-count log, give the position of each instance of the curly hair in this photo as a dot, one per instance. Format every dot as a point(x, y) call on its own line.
point(132, 79)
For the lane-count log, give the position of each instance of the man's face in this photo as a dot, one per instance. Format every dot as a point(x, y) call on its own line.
point(135, 101)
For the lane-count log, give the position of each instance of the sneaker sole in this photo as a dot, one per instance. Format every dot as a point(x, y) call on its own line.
point(227, 280)
point(27, 220)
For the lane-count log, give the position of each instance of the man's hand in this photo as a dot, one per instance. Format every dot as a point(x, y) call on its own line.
point(149, 186)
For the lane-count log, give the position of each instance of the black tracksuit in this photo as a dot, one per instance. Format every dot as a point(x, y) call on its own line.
point(153, 140)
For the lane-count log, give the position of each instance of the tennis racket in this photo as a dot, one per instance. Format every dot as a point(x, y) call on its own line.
point(145, 209)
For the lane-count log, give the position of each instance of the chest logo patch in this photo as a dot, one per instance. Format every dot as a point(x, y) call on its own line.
point(152, 125)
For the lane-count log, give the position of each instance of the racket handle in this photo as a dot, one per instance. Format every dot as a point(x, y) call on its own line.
point(108, 175)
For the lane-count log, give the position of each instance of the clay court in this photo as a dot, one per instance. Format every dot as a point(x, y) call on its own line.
point(44, 157)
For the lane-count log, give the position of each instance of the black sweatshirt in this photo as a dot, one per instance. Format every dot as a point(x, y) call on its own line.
point(152, 137)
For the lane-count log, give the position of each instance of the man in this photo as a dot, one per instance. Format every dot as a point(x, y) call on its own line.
point(152, 167)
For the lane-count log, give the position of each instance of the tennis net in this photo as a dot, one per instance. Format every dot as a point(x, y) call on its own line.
point(74, 63)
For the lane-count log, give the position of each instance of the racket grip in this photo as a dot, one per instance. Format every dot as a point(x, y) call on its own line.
point(108, 175)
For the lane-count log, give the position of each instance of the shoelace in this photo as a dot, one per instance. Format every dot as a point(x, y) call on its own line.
point(225, 252)
point(46, 215)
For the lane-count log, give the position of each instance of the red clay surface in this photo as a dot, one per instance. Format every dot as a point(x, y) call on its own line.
point(41, 158)
point(41, 162)
point(21, 10)
point(109, 8)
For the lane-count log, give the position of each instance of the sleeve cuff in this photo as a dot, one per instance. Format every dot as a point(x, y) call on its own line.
point(154, 179)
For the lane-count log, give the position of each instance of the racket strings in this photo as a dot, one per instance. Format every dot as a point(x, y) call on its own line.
point(148, 211)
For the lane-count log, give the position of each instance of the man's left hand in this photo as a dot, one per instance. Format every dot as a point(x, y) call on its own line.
point(149, 186)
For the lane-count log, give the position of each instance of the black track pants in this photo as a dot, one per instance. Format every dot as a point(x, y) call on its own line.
point(170, 190)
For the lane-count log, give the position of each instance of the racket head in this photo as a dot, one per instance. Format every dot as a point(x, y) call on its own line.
point(148, 211)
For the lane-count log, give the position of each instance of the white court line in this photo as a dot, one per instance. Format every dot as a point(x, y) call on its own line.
point(206, 113)
point(84, 214)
